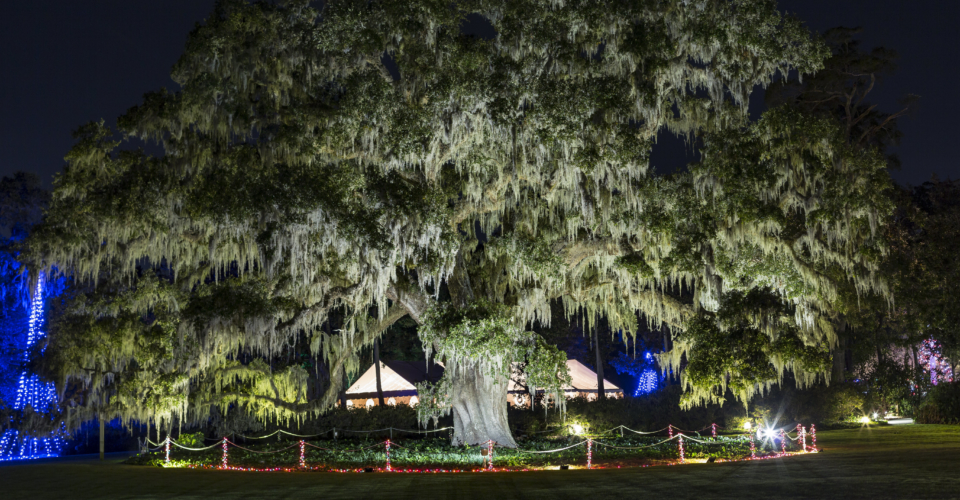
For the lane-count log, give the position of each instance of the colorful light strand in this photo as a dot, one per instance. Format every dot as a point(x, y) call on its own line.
point(490, 454)
point(167, 441)
point(670, 430)
point(303, 461)
point(224, 461)
point(682, 460)
point(783, 442)
point(931, 359)
point(589, 453)
point(388, 455)
point(800, 435)
point(813, 434)
point(753, 447)
point(713, 428)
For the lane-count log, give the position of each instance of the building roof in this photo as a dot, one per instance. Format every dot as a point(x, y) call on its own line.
point(402, 376)
point(396, 376)
point(582, 379)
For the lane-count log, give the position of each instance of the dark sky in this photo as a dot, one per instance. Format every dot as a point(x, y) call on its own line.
point(66, 62)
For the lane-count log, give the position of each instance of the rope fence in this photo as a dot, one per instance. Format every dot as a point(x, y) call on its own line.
point(487, 451)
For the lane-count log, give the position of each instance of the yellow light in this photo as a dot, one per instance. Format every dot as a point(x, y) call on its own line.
point(577, 429)
point(747, 426)
point(865, 420)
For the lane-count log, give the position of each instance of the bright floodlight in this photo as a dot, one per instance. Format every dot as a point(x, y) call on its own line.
point(747, 426)
point(865, 420)
point(770, 433)
point(577, 429)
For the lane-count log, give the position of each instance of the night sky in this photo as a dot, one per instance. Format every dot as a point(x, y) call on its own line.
point(66, 62)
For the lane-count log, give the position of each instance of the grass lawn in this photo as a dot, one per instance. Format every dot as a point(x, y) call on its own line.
point(911, 461)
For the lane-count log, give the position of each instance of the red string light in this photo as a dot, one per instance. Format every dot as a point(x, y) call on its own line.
point(589, 453)
point(681, 449)
point(813, 435)
point(388, 456)
point(490, 455)
point(713, 427)
point(437, 471)
point(670, 430)
point(783, 442)
point(225, 452)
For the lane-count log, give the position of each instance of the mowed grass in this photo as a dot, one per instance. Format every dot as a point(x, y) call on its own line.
point(914, 461)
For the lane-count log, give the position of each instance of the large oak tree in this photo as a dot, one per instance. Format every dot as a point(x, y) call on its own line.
point(367, 161)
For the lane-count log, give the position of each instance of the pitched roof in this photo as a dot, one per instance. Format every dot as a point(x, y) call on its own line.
point(582, 379)
point(585, 379)
point(403, 375)
point(396, 376)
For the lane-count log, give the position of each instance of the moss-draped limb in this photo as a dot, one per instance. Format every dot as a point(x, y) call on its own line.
point(344, 346)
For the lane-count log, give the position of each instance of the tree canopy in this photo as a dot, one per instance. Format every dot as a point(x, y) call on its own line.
point(368, 160)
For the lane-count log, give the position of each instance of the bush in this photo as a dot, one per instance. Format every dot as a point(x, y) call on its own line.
point(821, 404)
point(646, 413)
point(942, 405)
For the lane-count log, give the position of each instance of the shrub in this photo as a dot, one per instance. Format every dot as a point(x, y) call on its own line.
point(821, 404)
point(646, 413)
point(192, 440)
point(942, 405)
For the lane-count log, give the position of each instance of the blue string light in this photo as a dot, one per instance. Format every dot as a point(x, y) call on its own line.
point(649, 380)
point(32, 393)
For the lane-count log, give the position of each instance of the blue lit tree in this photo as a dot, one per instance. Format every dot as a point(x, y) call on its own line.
point(29, 403)
point(643, 368)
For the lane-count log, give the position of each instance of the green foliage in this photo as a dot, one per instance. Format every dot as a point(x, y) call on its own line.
point(820, 404)
point(647, 413)
point(739, 346)
point(439, 453)
point(942, 405)
point(194, 440)
point(302, 182)
point(486, 334)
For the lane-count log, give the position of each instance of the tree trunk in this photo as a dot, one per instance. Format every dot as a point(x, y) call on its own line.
point(376, 363)
point(668, 376)
point(343, 388)
point(479, 404)
point(601, 394)
point(917, 372)
point(100, 418)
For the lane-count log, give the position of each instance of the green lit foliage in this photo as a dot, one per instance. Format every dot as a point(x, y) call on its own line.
point(489, 333)
point(301, 179)
point(747, 344)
